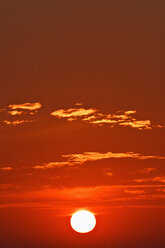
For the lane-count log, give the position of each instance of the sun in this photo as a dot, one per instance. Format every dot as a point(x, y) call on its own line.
point(83, 221)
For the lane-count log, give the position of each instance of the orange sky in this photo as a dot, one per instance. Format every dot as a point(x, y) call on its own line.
point(82, 122)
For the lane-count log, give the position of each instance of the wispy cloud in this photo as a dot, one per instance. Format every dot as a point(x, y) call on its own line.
point(73, 113)
point(159, 179)
point(109, 174)
point(6, 168)
point(52, 165)
point(97, 196)
point(81, 158)
point(78, 104)
point(16, 122)
point(95, 117)
point(146, 124)
point(19, 113)
point(26, 106)
point(148, 170)
point(135, 192)
point(92, 156)
point(15, 112)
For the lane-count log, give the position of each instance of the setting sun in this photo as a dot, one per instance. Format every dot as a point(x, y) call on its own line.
point(83, 221)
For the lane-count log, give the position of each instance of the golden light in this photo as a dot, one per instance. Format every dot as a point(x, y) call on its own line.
point(83, 221)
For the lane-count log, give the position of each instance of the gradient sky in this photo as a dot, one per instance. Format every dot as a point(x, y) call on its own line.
point(82, 122)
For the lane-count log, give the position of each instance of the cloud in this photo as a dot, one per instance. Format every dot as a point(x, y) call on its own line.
point(94, 117)
point(151, 157)
point(51, 165)
point(1, 110)
point(160, 179)
point(146, 124)
point(15, 112)
point(141, 180)
point(17, 122)
point(73, 113)
point(148, 170)
point(6, 168)
point(81, 158)
point(126, 118)
point(78, 104)
point(135, 192)
point(97, 197)
point(93, 156)
point(26, 106)
point(103, 121)
point(109, 174)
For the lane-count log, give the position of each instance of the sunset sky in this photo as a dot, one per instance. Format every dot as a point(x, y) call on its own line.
point(82, 122)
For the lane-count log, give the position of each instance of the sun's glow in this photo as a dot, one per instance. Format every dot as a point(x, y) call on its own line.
point(83, 221)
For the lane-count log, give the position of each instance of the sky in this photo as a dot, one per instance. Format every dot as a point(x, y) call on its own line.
point(82, 122)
